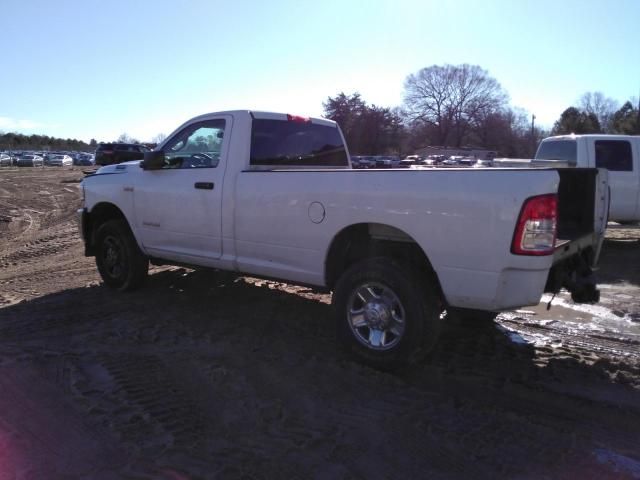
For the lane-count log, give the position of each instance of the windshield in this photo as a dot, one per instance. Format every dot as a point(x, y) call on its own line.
point(565, 150)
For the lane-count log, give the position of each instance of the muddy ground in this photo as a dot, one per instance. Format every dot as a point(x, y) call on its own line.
point(208, 375)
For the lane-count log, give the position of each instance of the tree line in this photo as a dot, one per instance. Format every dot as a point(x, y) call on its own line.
point(596, 113)
point(18, 141)
point(462, 105)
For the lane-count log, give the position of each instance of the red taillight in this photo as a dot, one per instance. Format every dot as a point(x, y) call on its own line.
point(537, 225)
point(107, 152)
point(298, 118)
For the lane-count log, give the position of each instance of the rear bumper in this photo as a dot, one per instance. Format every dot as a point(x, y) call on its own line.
point(505, 290)
point(570, 268)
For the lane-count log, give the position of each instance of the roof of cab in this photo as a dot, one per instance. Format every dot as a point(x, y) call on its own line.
point(264, 115)
point(603, 136)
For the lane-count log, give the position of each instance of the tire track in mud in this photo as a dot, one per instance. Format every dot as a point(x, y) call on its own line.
point(185, 400)
point(146, 382)
point(154, 408)
point(48, 245)
point(588, 342)
point(45, 423)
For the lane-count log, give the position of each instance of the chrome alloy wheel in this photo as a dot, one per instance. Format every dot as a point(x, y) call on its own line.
point(376, 316)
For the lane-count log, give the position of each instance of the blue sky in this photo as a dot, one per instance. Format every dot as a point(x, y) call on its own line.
point(96, 69)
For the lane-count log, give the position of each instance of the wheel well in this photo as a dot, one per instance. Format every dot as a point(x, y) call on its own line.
point(102, 212)
point(364, 240)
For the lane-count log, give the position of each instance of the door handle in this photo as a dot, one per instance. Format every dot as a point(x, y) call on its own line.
point(204, 185)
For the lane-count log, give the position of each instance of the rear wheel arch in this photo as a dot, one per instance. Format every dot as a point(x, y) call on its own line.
point(365, 240)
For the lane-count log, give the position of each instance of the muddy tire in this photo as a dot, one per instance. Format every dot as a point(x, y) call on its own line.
point(121, 263)
point(386, 316)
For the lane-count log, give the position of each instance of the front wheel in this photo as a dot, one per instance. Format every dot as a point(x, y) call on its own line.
point(386, 316)
point(120, 262)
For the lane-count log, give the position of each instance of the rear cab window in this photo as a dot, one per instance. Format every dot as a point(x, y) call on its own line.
point(564, 150)
point(295, 142)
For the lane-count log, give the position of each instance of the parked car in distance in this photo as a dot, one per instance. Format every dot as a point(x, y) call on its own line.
point(85, 160)
point(409, 161)
point(111, 153)
point(367, 162)
point(466, 161)
point(483, 163)
point(14, 158)
point(5, 160)
point(29, 160)
point(386, 161)
point(355, 161)
point(59, 161)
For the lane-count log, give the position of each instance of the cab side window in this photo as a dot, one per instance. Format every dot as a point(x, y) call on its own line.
point(614, 155)
point(196, 146)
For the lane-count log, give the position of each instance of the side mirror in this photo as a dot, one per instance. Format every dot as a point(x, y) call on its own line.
point(154, 160)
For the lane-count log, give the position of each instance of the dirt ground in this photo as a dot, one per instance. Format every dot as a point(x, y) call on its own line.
point(208, 375)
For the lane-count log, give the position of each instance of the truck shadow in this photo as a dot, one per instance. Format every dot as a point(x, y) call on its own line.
point(177, 309)
point(253, 361)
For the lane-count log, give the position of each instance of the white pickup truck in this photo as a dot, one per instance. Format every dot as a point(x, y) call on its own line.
point(273, 195)
point(619, 154)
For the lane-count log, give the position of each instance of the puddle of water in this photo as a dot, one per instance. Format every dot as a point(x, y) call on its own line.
point(535, 339)
point(598, 318)
point(563, 309)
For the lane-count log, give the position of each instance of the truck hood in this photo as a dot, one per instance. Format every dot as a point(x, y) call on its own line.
point(118, 168)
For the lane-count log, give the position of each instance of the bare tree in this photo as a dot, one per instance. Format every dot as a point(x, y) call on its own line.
point(602, 107)
point(159, 138)
point(453, 99)
point(427, 99)
point(126, 138)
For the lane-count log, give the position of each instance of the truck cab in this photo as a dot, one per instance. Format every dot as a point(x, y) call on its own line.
point(619, 154)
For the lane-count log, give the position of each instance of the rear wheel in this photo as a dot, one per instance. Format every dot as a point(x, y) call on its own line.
point(121, 263)
point(386, 316)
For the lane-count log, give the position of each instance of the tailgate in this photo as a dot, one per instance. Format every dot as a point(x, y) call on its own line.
point(583, 205)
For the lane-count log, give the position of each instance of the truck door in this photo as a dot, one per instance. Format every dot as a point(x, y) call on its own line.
point(618, 157)
point(178, 208)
